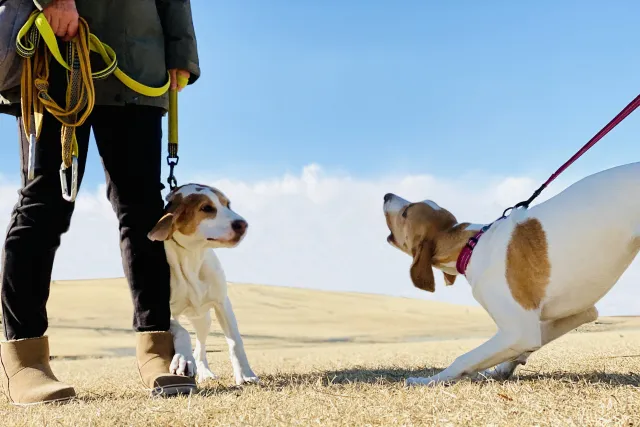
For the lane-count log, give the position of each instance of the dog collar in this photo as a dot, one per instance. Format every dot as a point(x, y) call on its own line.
point(467, 251)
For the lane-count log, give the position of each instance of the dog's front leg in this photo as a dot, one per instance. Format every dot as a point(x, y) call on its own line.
point(183, 362)
point(202, 325)
point(227, 319)
point(500, 348)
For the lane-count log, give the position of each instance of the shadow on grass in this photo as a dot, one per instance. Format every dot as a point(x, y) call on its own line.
point(283, 380)
point(394, 376)
point(592, 378)
point(391, 376)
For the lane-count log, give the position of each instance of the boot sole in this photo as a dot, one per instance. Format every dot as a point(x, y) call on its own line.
point(174, 390)
point(62, 400)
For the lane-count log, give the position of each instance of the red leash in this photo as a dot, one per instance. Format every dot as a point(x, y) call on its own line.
point(465, 254)
point(605, 130)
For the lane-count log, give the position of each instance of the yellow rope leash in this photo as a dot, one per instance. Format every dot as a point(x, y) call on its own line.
point(80, 95)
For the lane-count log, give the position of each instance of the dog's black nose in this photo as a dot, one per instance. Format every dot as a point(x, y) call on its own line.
point(387, 197)
point(239, 226)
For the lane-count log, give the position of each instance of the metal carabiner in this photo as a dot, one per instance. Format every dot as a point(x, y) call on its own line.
point(173, 182)
point(31, 166)
point(69, 196)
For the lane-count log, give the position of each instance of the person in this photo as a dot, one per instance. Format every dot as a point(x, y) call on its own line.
point(150, 38)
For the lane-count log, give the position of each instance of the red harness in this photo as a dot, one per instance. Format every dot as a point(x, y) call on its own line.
point(467, 250)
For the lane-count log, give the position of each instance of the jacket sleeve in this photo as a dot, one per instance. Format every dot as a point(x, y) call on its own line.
point(181, 50)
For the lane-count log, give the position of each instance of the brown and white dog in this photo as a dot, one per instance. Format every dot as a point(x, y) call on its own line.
point(199, 218)
point(538, 272)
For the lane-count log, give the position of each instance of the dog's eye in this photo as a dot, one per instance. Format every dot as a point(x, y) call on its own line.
point(208, 209)
point(404, 213)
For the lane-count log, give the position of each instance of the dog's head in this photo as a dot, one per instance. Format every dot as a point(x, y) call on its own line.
point(199, 213)
point(424, 231)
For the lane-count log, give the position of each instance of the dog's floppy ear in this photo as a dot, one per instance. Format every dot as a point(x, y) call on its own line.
point(164, 229)
point(449, 279)
point(421, 269)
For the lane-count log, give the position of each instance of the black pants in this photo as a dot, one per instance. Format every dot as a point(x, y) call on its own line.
point(129, 142)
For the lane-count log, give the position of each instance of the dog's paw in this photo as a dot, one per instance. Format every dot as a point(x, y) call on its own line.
point(182, 365)
point(494, 373)
point(421, 381)
point(502, 372)
point(203, 373)
point(247, 378)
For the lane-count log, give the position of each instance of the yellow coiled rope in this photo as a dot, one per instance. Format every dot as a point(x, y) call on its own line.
point(80, 94)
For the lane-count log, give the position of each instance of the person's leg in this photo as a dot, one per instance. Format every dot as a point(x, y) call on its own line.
point(37, 222)
point(129, 141)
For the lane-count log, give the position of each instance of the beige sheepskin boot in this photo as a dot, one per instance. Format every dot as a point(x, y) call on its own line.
point(154, 351)
point(27, 378)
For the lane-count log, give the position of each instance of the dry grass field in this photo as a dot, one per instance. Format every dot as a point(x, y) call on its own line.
point(329, 358)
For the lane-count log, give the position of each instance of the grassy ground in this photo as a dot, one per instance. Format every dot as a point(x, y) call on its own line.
point(336, 359)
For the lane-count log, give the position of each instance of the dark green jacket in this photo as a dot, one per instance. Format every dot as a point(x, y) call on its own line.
point(148, 36)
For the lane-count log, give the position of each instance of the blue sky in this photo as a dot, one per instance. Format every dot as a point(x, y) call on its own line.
point(445, 87)
point(308, 112)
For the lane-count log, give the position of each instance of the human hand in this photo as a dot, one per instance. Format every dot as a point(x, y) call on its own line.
point(62, 16)
point(179, 78)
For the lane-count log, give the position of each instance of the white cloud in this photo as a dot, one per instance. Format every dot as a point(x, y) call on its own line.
point(318, 230)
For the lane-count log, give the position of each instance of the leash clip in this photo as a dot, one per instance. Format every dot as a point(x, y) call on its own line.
point(472, 242)
point(69, 196)
point(172, 162)
point(31, 167)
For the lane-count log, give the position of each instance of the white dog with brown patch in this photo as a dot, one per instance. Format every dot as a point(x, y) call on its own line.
point(197, 219)
point(538, 272)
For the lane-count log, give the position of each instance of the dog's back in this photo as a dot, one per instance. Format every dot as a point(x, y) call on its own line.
point(593, 234)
